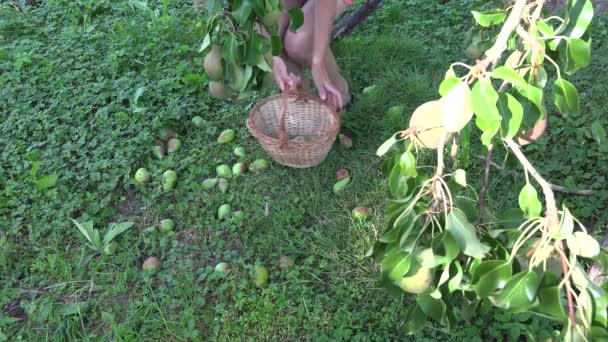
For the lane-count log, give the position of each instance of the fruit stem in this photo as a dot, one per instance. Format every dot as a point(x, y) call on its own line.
point(551, 211)
point(440, 163)
point(559, 246)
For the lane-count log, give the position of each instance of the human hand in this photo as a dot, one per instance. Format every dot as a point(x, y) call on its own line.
point(285, 80)
point(328, 91)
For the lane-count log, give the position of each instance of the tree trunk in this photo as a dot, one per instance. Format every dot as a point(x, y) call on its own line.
point(349, 21)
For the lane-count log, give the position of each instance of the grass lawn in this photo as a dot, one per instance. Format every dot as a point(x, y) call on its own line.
point(86, 86)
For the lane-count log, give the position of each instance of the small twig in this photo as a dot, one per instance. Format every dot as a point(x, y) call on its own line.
point(484, 187)
point(493, 54)
point(538, 10)
point(554, 187)
point(492, 163)
point(559, 246)
point(562, 189)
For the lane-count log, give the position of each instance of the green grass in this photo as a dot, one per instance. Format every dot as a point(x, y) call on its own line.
point(69, 85)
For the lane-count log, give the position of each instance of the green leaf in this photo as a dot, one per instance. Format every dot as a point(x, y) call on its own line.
point(387, 145)
point(580, 13)
point(550, 303)
point(74, 308)
point(34, 155)
point(409, 227)
point(464, 233)
point(34, 169)
point(489, 129)
point(566, 226)
point(434, 308)
point(46, 182)
point(509, 75)
point(447, 84)
point(206, 42)
point(512, 114)
point(277, 45)
point(397, 182)
point(454, 283)
point(391, 235)
point(457, 105)
point(566, 97)
point(415, 320)
point(600, 298)
point(487, 19)
point(467, 206)
point(598, 133)
point(579, 55)
point(519, 293)
point(296, 18)
point(544, 29)
point(583, 244)
point(490, 276)
point(239, 76)
point(241, 10)
point(230, 49)
point(531, 98)
point(484, 101)
point(396, 264)
point(408, 164)
point(445, 249)
point(191, 79)
point(529, 202)
point(213, 6)
point(85, 229)
point(115, 230)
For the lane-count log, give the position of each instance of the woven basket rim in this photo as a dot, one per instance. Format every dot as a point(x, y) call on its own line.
point(327, 135)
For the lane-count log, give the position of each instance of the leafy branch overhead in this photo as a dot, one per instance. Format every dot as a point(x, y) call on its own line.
point(239, 39)
point(445, 246)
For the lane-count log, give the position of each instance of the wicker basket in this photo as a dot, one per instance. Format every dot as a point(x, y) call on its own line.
point(296, 130)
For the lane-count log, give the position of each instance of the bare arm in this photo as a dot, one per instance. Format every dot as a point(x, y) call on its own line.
point(325, 12)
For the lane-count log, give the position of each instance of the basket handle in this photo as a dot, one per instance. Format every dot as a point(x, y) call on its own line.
point(282, 128)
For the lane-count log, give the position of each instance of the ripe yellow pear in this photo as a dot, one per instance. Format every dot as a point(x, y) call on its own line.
point(418, 279)
point(429, 114)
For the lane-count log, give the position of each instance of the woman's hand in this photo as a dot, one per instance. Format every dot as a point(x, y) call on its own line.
point(285, 80)
point(328, 91)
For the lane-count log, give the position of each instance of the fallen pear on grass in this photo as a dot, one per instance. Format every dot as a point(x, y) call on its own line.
point(173, 145)
point(210, 183)
point(142, 176)
point(169, 180)
point(223, 171)
point(166, 226)
point(227, 136)
point(151, 264)
point(361, 213)
point(260, 277)
point(224, 211)
point(238, 169)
